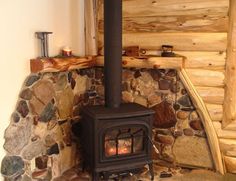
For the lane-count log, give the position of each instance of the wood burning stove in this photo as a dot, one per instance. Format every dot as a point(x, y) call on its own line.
point(116, 138)
point(116, 141)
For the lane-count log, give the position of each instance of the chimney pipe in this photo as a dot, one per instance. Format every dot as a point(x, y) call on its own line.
point(113, 52)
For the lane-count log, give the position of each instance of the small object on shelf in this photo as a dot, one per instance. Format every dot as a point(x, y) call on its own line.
point(43, 37)
point(167, 51)
point(66, 52)
point(132, 51)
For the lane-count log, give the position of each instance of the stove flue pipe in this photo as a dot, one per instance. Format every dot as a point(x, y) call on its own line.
point(113, 52)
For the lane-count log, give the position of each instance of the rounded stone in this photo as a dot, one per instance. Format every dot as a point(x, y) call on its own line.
point(194, 115)
point(26, 94)
point(196, 125)
point(15, 117)
point(137, 74)
point(188, 132)
point(182, 115)
point(176, 107)
point(31, 79)
point(22, 108)
point(41, 162)
point(185, 101)
point(12, 165)
point(183, 91)
point(127, 96)
point(164, 84)
point(165, 139)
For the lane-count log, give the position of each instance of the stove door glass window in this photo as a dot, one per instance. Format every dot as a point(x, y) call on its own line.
point(124, 141)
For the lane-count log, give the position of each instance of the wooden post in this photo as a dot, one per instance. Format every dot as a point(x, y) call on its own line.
point(90, 32)
point(229, 108)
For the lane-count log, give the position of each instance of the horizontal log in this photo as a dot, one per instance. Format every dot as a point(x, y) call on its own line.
point(60, 64)
point(194, 59)
point(215, 111)
point(180, 41)
point(230, 163)
point(228, 147)
point(226, 134)
point(151, 62)
point(211, 95)
point(207, 78)
point(231, 126)
point(137, 8)
point(192, 23)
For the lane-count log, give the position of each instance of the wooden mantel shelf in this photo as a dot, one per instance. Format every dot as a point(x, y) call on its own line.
point(64, 64)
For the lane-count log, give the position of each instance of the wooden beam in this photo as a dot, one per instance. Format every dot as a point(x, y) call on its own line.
point(180, 41)
point(230, 163)
point(90, 28)
point(215, 111)
point(208, 78)
point(207, 122)
point(211, 95)
point(228, 147)
point(60, 64)
point(183, 23)
point(137, 8)
point(149, 62)
point(229, 113)
point(222, 133)
point(194, 59)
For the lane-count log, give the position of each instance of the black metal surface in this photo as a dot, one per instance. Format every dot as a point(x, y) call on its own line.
point(113, 52)
point(94, 127)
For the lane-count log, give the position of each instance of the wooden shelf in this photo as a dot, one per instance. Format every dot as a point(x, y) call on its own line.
point(65, 64)
point(60, 64)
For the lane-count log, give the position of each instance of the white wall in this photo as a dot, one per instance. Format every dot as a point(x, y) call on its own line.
point(19, 20)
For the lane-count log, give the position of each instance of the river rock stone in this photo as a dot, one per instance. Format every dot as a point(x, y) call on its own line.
point(127, 96)
point(48, 113)
point(12, 166)
point(54, 149)
point(192, 151)
point(137, 74)
point(17, 136)
point(140, 100)
point(15, 117)
point(185, 101)
point(182, 114)
point(196, 124)
point(61, 83)
point(26, 94)
point(44, 91)
point(154, 99)
point(156, 74)
point(64, 101)
point(164, 115)
point(188, 132)
point(98, 73)
point(33, 149)
point(194, 115)
point(127, 75)
point(175, 87)
point(41, 162)
point(81, 85)
point(22, 108)
point(165, 139)
point(36, 105)
point(164, 84)
point(31, 79)
point(167, 153)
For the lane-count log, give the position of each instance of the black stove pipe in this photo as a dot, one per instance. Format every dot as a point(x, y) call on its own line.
point(113, 52)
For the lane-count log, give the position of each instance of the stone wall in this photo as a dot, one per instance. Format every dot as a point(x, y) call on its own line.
point(39, 141)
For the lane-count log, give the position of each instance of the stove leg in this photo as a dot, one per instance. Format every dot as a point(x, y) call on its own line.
point(151, 171)
point(95, 176)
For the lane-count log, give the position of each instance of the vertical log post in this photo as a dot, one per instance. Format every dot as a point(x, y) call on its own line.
point(229, 107)
point(90, 31)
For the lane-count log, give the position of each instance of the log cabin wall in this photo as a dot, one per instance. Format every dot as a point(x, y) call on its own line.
point(198, 30)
